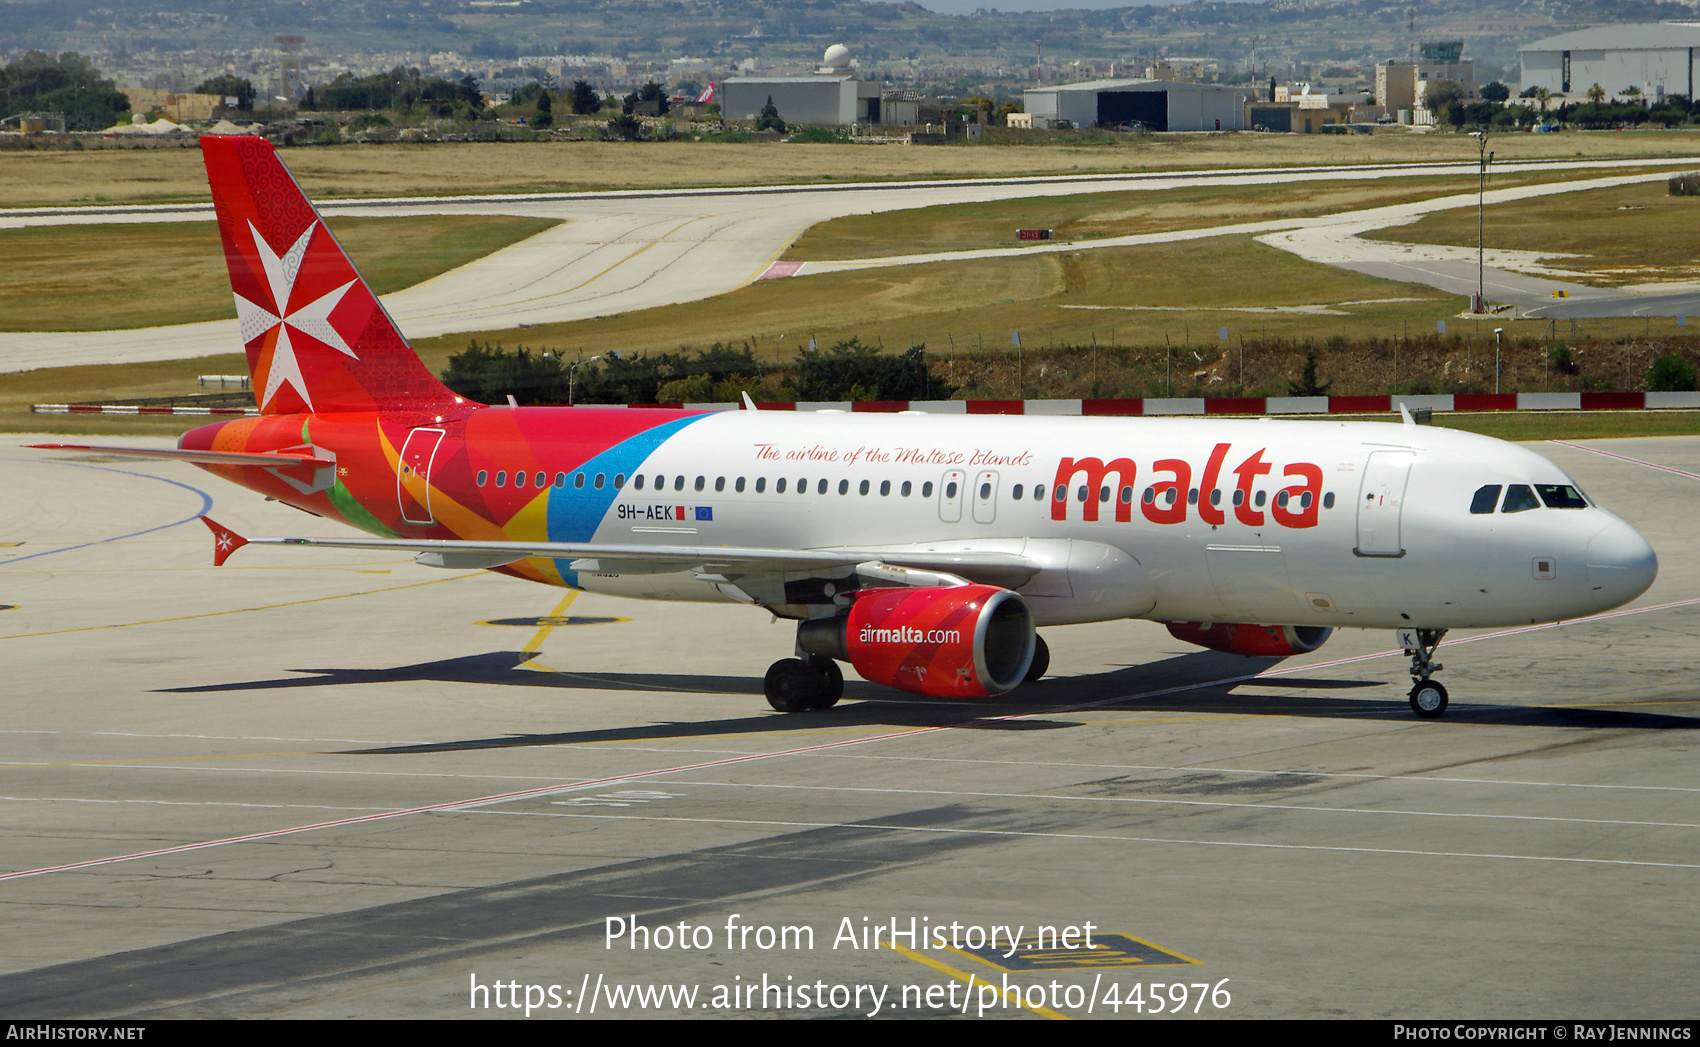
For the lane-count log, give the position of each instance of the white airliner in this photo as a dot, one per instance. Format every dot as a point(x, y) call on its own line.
point(922, 550)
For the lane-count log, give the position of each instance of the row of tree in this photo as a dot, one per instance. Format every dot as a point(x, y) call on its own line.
point(1538, 105)
point(722, 373)
point(67, 84)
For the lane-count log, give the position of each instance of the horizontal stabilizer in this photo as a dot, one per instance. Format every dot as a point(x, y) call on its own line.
point(268, 461)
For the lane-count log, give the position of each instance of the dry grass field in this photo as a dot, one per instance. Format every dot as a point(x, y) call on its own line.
point(1628, 235)
point(101, 277)
point(58, 385)
point(1129, 296)
point(18, 391)
point(1574, 425)
point(963, 227)
point(126, 175)
point(1170, 299)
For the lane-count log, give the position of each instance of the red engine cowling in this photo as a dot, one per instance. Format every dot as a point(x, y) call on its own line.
point(1269, 641)
point(964, 641)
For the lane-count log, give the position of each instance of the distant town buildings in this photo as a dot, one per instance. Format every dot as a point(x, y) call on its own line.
point(181, 107)
point(1401, 84)
point(1304, 109)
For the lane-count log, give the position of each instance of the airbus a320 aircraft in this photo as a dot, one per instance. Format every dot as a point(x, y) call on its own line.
point(922, 550)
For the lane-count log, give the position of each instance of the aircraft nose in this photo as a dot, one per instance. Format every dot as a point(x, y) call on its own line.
point(1621, 565)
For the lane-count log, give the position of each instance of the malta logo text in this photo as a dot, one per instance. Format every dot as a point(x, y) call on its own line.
point(1170, 494)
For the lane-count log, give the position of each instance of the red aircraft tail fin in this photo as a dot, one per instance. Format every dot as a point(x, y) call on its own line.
point(225, 541)
point(316, 336)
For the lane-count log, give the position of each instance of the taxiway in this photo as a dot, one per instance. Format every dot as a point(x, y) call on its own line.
point(319, 784)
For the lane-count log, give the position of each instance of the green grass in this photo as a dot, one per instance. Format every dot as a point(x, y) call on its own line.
point(101, 277)
point(1146, 295)
point(1630, 234)
point(171, 174)
point(1521, 426)
point(58, 385)
point(970, 226)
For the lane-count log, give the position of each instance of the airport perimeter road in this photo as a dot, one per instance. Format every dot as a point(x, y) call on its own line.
point(619, 252)
point(359, 787)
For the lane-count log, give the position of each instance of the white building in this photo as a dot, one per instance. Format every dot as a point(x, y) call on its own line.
point(1159, 105)
point(1655, 58)
point(832, 96)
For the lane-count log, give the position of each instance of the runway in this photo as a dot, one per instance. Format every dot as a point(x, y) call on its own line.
point(617, 252)
point(317, 784)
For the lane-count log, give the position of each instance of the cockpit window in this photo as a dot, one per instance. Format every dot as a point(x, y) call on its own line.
point(1561, 496)
point(1486, 498)
point(1519, 498)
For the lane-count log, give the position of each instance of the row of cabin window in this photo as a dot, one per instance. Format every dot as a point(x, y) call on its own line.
point(1173, 495)
point(905, 489)
point(542, 479)
point(1520, 498)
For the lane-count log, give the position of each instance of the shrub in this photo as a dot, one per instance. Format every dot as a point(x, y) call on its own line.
point(1670, 374)
point(827, 135)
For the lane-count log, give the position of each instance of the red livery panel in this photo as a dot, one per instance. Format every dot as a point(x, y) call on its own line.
point(959, 642)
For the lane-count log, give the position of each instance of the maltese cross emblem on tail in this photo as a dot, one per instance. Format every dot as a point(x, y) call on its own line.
point(275, 321)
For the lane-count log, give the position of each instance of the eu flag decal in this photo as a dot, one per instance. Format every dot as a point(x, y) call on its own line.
point(705, 512)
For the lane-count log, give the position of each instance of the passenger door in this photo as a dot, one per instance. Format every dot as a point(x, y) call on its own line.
point(1381, 500)
point(413, 475)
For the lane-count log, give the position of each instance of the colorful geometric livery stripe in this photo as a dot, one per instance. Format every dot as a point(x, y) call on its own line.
point(574, 513)
point(439, 479)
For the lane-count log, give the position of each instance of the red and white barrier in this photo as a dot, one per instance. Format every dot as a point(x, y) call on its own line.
point(1129, 407)
point(1255, 405)
point(138, 409)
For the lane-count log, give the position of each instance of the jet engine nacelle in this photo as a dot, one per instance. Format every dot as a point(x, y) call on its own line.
point(964, 641)
point(1269, 641)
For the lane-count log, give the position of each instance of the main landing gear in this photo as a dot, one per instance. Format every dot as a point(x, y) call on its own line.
point(1041, 660)
point(795, 685)
point(1428, 697)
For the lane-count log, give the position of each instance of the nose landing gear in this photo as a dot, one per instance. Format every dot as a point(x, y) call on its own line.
point(1428, 697)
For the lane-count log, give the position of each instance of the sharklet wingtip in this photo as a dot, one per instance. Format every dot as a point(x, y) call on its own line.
point(225, 541)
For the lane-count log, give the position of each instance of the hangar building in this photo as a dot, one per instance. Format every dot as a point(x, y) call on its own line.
point(832, 96)
point(1160, 105)
point(1655, 58)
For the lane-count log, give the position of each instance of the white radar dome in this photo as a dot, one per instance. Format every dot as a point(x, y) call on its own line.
point(837, 57)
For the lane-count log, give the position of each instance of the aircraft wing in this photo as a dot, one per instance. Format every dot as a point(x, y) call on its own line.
point(993, 567)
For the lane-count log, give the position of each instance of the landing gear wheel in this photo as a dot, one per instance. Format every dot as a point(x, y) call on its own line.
point(793, 686)
point(1041, 660)
point(832, 683)
point(1428, 699)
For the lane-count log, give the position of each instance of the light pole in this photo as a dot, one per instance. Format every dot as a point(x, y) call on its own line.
point(1497, 331)
point(1484, 158)
point(570, 373)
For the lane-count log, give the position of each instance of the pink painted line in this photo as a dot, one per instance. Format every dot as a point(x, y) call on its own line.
point(733, 760)
point(780, 269)
point(464, 804)
point(1313, 666)
point(1626, 458)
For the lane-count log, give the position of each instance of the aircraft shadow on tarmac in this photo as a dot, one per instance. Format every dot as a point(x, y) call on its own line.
point(1204, 682)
